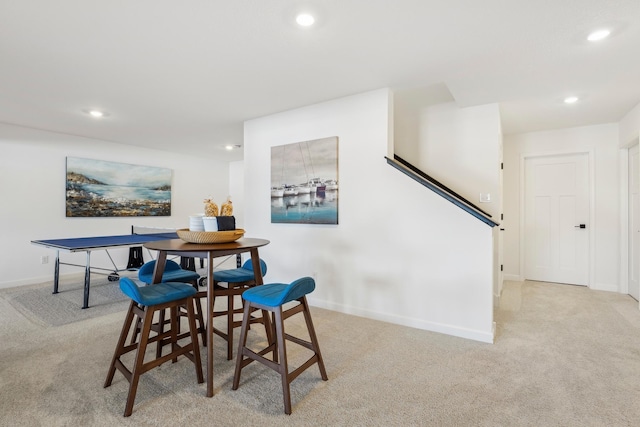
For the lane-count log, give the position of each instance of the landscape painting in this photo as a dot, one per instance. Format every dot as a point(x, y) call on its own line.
point(97, 188)
point(304, 182)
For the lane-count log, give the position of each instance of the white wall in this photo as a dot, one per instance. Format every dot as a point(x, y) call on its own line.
point(400, 253)
point(459, 147)
point(236, 189)
point(630, 127)
point(32, 185)
point(601, 142)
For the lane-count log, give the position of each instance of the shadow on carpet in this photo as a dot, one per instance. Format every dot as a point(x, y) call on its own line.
point(40, 305)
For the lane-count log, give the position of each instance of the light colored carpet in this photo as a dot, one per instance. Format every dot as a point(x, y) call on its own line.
point(39, 304)
point(563, 356)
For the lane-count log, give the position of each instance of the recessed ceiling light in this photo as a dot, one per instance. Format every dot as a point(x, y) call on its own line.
point(598, 35)
point(229, 147)
point(96, 113)
point(305, 20)
point(570, 99)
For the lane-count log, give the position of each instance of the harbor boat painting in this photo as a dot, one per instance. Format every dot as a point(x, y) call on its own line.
point(97, 188)
point(277, 191)
point(304, 182)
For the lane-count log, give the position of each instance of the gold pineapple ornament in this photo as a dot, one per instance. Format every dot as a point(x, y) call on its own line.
point(227, 208)
point(210, 207)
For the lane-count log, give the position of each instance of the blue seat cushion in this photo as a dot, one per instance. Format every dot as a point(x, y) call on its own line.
point(275, 294)
point(156, 294)
point(239, 275)
point(172, 273)
point(234, 276)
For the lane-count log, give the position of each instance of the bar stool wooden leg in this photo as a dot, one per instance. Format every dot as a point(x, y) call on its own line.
point(230, 311)
point(282, 365)
point(139, 360)
point(271, 298)
point(175, 328)
point(240, 361)
point(193, 346)
point(144, 304)
point(314, 338)
point(160, 330)
point(182, 311)
point(120, 345)
point(200, 318)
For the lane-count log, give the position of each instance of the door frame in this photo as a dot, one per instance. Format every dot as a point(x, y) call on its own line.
point(624, 215)
point(624, 220)
point(592, 217)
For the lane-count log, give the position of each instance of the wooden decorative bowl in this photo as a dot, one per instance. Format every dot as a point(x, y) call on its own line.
point(210, 236)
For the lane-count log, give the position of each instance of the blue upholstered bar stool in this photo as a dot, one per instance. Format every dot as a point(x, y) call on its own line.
point(174, 273)
point(271, 298)
point(145, 301)
point(237, 281)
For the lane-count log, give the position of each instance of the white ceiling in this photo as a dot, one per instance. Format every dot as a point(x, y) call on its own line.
point(184, 75)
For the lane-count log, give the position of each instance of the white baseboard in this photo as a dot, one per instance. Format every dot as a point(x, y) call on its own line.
point(513, 277)
point(456, 331)
point(605, 287)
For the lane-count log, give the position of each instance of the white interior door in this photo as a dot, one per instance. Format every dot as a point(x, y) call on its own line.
point(634, 223)
point(557, 219)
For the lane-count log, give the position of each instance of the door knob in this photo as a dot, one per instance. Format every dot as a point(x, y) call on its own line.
point(581, 226)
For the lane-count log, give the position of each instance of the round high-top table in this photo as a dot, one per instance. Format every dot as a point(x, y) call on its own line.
point(209, 251)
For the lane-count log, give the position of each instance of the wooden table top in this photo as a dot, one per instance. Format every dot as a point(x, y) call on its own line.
point(179, 245)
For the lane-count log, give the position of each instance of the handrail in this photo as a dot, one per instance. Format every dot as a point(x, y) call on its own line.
point(438, 183)
point(440, 189)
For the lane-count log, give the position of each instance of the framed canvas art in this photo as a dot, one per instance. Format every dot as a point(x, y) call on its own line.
point(304, 182)
point(97, 188)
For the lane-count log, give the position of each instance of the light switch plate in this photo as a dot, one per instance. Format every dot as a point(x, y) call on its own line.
point(485, 197)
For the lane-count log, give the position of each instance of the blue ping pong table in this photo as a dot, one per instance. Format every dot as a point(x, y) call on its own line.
point(89, 244)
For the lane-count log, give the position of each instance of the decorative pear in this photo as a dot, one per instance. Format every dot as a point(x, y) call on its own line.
point(227, 208)
point(210, 207)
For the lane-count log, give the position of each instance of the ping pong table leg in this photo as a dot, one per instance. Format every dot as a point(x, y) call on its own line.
point(87, 276)
point(56, 273)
